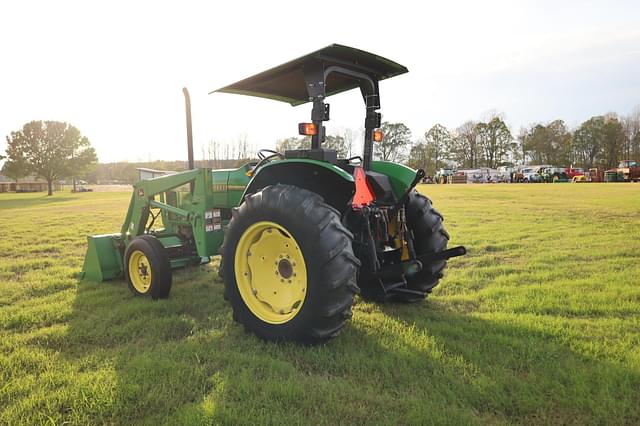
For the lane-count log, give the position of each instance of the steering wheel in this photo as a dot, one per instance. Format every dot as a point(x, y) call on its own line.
point(262, 156)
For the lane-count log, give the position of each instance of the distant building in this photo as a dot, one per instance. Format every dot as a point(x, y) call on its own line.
point(146, 174)
point(27, 184)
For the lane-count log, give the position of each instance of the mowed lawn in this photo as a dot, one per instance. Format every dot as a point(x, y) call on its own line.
point(538, 324)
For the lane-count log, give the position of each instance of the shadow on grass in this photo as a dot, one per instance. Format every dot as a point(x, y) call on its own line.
point(27, 200)
point(185, 361)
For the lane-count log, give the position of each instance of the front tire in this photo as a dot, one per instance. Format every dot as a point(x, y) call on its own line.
point(430, 236)
point(147, 268)
point(290, 271)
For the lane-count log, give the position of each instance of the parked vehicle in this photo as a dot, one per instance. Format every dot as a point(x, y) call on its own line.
point(442, 176)
point(553, 174)
point(595, 175)
point(530, 175)
point(518, 177)
point(458, 177)
point(573, 172)
point(627, 171)
point(80, 188)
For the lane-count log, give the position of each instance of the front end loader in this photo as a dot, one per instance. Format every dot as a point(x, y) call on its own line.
point(300, 232)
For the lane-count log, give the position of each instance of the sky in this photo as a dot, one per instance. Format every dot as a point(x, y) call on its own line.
point(116, 69)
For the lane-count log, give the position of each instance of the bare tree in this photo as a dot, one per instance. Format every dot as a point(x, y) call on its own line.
point(631, 126)
point(349, 139)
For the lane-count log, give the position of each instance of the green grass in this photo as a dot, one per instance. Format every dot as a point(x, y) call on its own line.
point(538, 324)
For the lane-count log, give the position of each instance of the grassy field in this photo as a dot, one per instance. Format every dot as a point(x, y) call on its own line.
point(539, 324)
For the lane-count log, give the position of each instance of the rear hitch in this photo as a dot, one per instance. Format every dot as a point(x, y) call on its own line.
point(443, 255)
point(412, 267)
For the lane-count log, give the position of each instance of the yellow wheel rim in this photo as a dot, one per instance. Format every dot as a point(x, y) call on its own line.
point(140, 271)
point(270, 272)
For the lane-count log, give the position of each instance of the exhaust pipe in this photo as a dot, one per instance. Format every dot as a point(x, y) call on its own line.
point(187, 106)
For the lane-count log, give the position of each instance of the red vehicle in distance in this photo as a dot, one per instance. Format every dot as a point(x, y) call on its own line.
point(627, 171)
point(573, 172)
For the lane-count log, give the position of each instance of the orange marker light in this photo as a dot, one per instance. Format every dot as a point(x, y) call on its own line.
point(377, 135)
point(307, 129)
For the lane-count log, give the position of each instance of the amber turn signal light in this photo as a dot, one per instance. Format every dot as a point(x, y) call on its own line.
point(307, 129)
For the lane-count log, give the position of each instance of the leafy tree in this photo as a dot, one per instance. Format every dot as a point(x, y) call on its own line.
point(438, 142)
point(464, 149)
point(536, 143)
point(419, 157)
point(550, 143)
point(338, 143)
point(559, 144)
point(394, 144)
point(495, 140)
point(15, 169)
point(285, 144)
point(342, 144)
point(612, 141)
point(588, 141)
point(51, 150)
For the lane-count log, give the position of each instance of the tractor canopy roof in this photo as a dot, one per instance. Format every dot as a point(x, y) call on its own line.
point(288, 82)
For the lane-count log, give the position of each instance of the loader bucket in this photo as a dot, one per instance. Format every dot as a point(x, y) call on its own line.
point(103, 260)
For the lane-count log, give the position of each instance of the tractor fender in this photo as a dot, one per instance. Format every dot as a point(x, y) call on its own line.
point(400, 176)
point(331, 182)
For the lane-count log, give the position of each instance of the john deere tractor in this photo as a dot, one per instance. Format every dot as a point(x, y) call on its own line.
point(300, 232)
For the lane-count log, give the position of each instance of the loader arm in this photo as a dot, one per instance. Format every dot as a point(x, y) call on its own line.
point(143, 199)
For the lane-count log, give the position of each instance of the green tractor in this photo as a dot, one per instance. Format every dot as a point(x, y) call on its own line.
point(553, 174)
point(300, 232)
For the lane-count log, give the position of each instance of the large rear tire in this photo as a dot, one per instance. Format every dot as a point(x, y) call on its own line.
point(289, 268)
point(430, 236)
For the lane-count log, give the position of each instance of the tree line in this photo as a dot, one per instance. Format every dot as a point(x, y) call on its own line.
point(55, 150)
point(601, 141)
